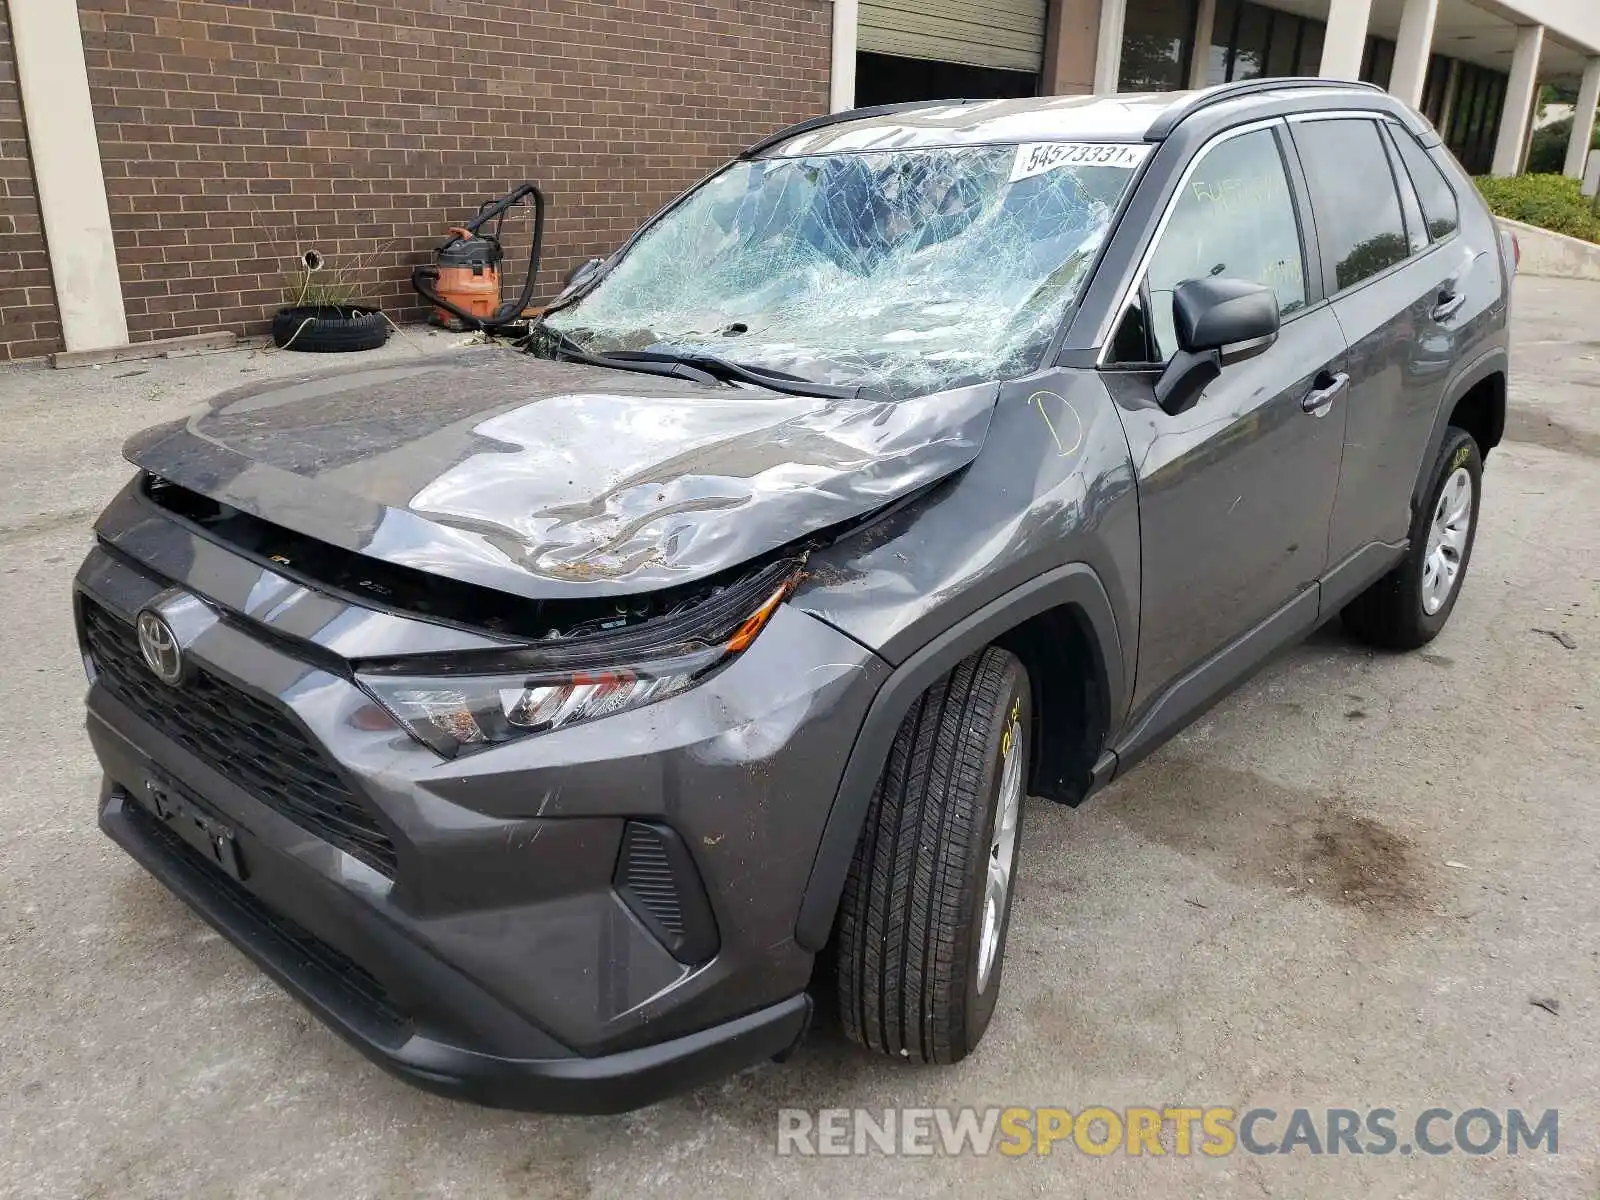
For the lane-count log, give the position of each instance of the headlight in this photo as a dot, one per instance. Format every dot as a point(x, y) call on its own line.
point(470, 701)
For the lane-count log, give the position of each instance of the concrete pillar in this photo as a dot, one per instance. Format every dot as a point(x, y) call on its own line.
point(1205, 24)
point(1520, 91)
point(54, 83)
point(1345, 39)
point(1411, 50)
point(842, 67)
point(1583, 120)
point(1108, 50)
point(1071, 36)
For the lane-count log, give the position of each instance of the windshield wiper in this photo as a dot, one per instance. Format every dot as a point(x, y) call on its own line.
point(767, 377)
point(566, 349)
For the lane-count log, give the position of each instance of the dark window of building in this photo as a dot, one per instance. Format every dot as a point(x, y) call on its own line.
point(1353, 193)
point(1434, 86)
point(1377, 61)
point(1437, 199)
point(1483, 153)
point(1472, 123)
point(1250, 41)
point(1157, 35)
point(1477, 115)
point(1221, 39)
point(1311, 49)
point(889, 79)
point(1249, 59)
point(1283, 47)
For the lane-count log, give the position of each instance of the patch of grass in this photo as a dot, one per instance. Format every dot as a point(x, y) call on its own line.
point(333, 281)
point(1551, 202)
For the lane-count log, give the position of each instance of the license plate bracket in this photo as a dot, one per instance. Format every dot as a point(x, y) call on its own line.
point(196, 824)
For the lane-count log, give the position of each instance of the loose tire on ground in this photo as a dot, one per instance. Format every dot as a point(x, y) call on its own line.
point(329, 329)
point(911, 923)
point(1392, 613)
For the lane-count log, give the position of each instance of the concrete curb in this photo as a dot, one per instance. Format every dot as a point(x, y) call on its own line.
point(1554, 254)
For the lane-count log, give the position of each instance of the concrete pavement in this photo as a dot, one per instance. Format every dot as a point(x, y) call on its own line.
point(1343, 887)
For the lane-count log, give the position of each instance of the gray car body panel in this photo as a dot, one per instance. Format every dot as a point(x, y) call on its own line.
point(1188, 549)
point(550, 480)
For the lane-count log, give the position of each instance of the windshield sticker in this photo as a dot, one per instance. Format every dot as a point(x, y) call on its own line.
point(1035, 158)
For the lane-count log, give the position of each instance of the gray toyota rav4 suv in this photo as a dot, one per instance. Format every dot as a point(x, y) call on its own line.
point(555, 722)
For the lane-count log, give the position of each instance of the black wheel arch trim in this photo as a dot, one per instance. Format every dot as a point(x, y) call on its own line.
point(1495, 361)
point(1075, 585)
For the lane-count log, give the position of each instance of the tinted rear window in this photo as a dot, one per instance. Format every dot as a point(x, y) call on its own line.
point(1353, 194)
point(1433, 190)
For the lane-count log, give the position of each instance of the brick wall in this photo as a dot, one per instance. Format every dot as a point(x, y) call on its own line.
point(234, 134)
point(28, 322)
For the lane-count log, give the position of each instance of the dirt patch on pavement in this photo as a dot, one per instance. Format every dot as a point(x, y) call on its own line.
point(1536, 429)
point(1256, 831)
point(1354, 860)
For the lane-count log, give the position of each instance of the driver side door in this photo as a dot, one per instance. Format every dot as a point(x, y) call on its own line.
point(1236, 493)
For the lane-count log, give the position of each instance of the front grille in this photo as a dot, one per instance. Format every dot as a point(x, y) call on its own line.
point(249, 742)
point(305, 952)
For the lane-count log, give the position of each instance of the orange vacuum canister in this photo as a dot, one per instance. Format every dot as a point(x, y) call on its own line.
point(463, 280)
point(469, 277)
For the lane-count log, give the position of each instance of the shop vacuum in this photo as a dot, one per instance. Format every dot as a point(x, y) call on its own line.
point(463, 283)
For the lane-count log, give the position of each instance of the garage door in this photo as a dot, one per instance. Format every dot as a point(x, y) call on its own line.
point(989, 33)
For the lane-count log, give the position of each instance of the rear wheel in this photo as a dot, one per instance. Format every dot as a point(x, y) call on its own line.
point(1410, 605)
point(922, 924)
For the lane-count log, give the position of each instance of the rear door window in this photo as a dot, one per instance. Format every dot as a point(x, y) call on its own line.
point(1438, 199)
point(1416, 227)
point(1353, 194)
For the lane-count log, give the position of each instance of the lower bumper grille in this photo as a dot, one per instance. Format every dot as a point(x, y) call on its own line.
point(307, 952)
point(248, 741)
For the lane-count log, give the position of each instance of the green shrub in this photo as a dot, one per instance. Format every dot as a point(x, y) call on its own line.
point(1547, 152)
point(1550, 201)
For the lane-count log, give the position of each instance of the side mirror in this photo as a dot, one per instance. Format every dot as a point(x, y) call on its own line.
point(1218, 321)
point(580, 274)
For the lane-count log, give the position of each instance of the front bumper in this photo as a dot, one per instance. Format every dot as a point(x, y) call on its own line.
point(322, 982)
point(497, 960)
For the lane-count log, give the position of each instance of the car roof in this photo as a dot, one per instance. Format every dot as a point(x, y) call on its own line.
point(1133, 117)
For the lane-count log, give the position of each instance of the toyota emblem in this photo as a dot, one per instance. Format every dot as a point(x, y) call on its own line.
point(159, 646)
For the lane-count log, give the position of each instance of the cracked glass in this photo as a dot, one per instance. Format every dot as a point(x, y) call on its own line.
point(909, 271)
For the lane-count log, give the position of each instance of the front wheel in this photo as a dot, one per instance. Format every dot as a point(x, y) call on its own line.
point(922, 924)
point(1410, 605)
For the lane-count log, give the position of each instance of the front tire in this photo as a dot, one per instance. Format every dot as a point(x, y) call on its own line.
point(1410, 605)
point(922, 924)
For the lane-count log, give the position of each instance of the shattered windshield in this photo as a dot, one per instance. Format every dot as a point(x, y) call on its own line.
point(905, 270)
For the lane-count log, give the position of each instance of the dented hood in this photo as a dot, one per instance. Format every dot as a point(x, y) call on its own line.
point(548, 479)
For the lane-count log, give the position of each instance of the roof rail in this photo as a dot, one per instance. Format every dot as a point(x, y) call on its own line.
point(852, 114)
point(1163, 125)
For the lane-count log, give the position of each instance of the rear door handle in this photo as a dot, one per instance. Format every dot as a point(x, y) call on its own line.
point(1450, 301)
point(1325, 390)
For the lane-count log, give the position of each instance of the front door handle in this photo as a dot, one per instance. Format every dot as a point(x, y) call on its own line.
point(1450, 301)
point(1324, 391)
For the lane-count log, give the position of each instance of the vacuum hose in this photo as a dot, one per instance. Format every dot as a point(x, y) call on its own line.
point(425, 278)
